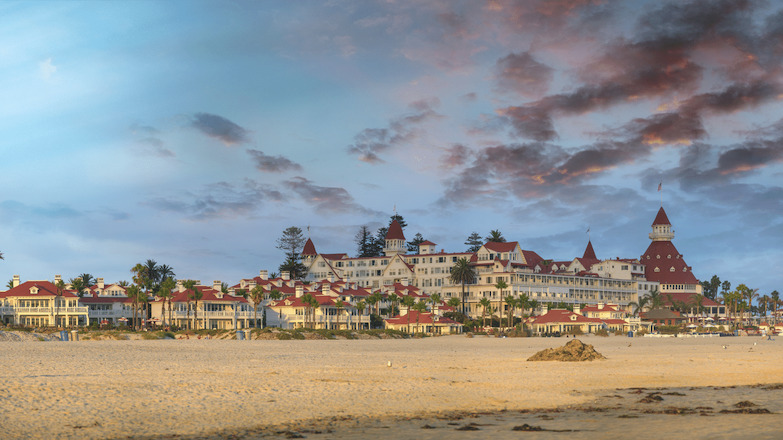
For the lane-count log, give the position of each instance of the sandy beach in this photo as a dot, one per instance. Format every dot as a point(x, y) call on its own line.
point(225, 388)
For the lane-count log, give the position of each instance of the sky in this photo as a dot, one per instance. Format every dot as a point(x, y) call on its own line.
point(194, 132)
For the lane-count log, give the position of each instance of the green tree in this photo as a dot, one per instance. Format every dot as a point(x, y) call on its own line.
point(166, 292)
point(292, 242)
point(500, 285)
point(408, 301)
point(399, 219)
point(495, 236)
point(360, 306)
point(60, 288)
point(710, 288)
point(339, 305)
point(257, 295)
point(190, 286)
point(484, 303)
point(511, 303)
point(474, 242)
point(420, 307)
point(379, 242)
point(77, 285)
point(134, 292)
point(393, 300)
point(413, 245)
point(87, 280)
point(775, 297)
point(434, 300)
point(196, 295)
point(639, 305)
point(453, 302)
point(462, 273)
point(364, 243)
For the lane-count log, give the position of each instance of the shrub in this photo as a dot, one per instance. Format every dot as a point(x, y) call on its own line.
point(575, 331)
point(602, 332)
point(669, 329)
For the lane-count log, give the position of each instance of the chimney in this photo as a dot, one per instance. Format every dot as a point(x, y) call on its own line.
point(285, 275)
point(299, 291)
point(404, 281)
point(331, 277)
point(577, 309)
point(326, 288)
point(16, 280)
point(264, 274)
point(100, 283)
point(58, 278)
point(180, 286)
point(544, 309)
point(600, 306)
point(251, 284)
point(217, 286)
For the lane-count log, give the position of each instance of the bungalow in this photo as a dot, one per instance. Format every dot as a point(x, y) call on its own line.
point(40, 303)
point(424, 322)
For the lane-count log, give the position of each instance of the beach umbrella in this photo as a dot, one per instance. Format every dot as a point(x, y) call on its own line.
point(692, 326)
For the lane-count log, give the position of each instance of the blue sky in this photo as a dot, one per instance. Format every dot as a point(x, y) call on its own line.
point(193, 133)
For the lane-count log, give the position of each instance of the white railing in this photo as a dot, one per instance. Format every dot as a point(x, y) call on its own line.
point(33, 309)
point(6, 310)
point(75, 309)
point(110, 313)
point(216, 314)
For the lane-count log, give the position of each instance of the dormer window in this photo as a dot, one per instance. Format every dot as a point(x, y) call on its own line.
point(672, 269)
point(34, 290)
point(657, 269)
point(669, 256)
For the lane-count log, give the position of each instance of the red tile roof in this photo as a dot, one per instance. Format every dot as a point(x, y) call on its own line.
point(661, 218)
point(423, 318)
point(664, 256)
point(501, 247)
point(589, 252)
point(395, 231)
point(309, 248)
point(45, 288)
point(427, 243)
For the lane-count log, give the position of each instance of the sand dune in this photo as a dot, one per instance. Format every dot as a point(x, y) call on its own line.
point(99, 389)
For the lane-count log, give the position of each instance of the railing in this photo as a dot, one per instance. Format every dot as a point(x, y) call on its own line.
point(242, 314)
point(6, 310)
point(75, 309)
point(33, 309)
point(110, 313)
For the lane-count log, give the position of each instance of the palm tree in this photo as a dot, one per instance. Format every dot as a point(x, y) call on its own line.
point(420, 307)
point(655, 300)
point(393, 300)
point(638, 306)
point(495, 236)
point(165, 292)
point(152, 274)
point(87, 279)
point(189, 285)
point(500, 285)
point(453, 302)
point(408, 301)
point(257, 295)
point(484, 302)
point(360, 306)
point(434, 301)
point(373, 299)
point(340, 305)
point(134, 292)
point(462, 273)
point(165, 272)
point(60, 288)
point(775, 296)
point(195, 295)
point(511, 303)
point(78, 286)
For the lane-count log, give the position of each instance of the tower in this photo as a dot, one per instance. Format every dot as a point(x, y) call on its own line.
point(395, 240)
point(664, 264)
point(308, 253)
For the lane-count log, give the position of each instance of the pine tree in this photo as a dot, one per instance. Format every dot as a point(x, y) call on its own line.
point(364, 242)
point(291, 242)
point(474, 242)
point(379, 242)
point(399, 219)
point(413, 245)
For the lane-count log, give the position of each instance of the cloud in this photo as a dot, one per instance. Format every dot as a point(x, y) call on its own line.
point(521, 73)
point(46, 69)
point(220, 128)
point(150, 141)
point(218, 200)
point(456, 156)
point(371, 143)
point(324, 198)
point(273, 164)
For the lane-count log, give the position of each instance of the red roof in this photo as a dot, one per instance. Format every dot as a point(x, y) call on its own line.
point(427, 243)
point(687, 298)
point(309, 248)
point(562, 315)
point(395, 231)
point(661, 218)
point(501, 247)
point(423, 318)
point(589, 252)
point(664, 256)
point(45, 288)
point(208, 294)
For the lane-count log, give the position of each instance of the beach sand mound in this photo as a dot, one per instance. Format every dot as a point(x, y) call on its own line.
point(574, 351)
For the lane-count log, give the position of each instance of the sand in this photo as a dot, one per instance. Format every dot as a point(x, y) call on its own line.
point(210, 388)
